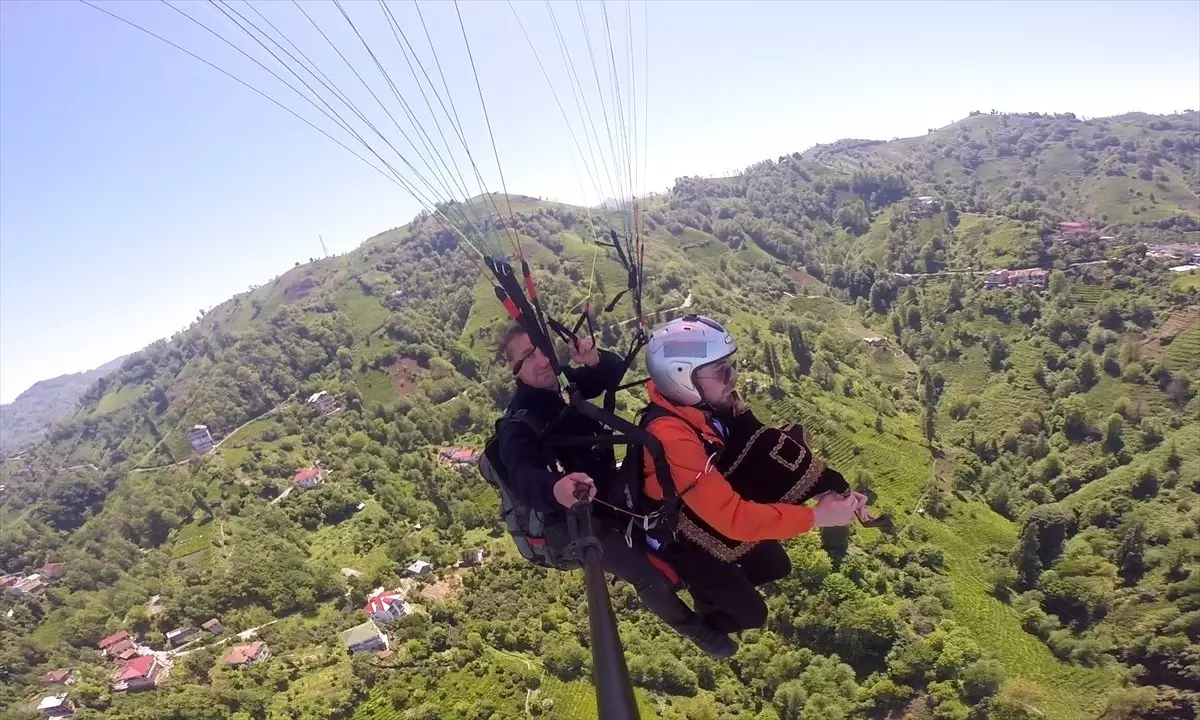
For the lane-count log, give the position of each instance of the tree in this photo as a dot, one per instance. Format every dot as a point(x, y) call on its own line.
point(1086, 371)
point(1112, 433)
point(800, 350)
point(565, 659)
point(1131, 553)
point(981, 679)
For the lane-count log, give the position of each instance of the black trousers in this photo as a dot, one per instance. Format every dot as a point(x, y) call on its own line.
point(633, 566)
point(726, 594)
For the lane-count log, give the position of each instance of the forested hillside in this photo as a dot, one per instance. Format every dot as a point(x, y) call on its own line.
point(25, 419)
point(1039, 447)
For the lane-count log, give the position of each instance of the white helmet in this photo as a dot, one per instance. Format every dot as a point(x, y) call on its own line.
point(680, 348)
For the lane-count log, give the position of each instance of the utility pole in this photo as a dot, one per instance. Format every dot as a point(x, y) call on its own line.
point(323, 248)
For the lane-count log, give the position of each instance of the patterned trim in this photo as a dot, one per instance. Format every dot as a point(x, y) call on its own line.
point(711, 543)
point(742, 456)
point(784, 438)
point(806, 481)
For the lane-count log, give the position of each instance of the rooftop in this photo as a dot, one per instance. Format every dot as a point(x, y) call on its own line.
point(137, 668)
point(360, 633)
point(51, 702)
point(113, 639)
point(242, 654)
point(308, 474)
point(57, 676)
point(381, 599)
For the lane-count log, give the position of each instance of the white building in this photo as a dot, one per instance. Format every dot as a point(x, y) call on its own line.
point(56, 706)
point(387, 606)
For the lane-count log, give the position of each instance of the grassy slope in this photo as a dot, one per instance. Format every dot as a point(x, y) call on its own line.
point(902, 471)
point(1068, 691)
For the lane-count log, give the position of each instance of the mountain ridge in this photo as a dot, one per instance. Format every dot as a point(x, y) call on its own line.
point(26, 418)
point(985, 422)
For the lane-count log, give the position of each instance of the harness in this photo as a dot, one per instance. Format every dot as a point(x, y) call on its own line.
point(656, 519)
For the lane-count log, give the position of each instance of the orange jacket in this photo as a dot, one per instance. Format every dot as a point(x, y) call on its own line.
point(710, 496)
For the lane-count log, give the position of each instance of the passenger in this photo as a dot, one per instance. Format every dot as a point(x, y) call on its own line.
point(725, 545)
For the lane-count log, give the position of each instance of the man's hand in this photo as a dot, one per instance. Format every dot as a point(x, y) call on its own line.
point(564, 489)
point(584, 352)
point(834, 510)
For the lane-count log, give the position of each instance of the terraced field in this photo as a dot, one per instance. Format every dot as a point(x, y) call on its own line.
point(890, 457)
point(1069, 692)
point(1184, 352)
point(1086, 295)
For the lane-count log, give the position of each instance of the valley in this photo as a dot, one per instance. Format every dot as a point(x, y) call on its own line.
point(1036, 437)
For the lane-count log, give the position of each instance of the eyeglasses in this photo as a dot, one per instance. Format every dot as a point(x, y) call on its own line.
point(722, 371)
point(521, 362)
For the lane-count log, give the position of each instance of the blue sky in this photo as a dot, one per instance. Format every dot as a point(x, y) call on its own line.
point(138, 186)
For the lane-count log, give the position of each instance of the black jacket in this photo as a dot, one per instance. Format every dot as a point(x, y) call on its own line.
point(526, 461)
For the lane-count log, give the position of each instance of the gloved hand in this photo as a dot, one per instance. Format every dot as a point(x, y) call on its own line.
point(835, 510)
point(565, 488)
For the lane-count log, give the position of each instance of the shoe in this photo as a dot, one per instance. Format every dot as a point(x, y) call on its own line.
point(716, 644)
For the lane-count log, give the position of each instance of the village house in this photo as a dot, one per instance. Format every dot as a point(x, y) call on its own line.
point(386, 606)
point(181, 635)
point(141, 673)
point(309, 479)
point(365, 638)
point(1034, 277)
point(201, 439)
point(243, 655)
point(122, 651)
point(923, 206)
point(1074, 230)
point(52, 570)
point(324, 402)
point(109, 642)
point(418, 568)
point(875, 341)
point(56, 706)
point(473, 556)
point(213, 626)
point(61, 676)
point(30, 585)
point(459, 456)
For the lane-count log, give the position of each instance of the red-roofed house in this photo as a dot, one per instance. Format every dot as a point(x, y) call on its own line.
point(113, 639)
point(1074, 229)
point(10, 580)
point(122, 651)
point(309, 479)
point(387, 606)
point(213, 626)
point(463, 457)
point(241, 655)
point(61, 676)
point(51, 570)
point(139, 674)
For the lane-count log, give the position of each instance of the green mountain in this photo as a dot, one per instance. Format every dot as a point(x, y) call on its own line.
point(1039, 447)
point(25, 419)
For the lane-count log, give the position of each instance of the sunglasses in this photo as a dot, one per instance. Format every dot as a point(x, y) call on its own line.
point(722, 371)
point(521, 362)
